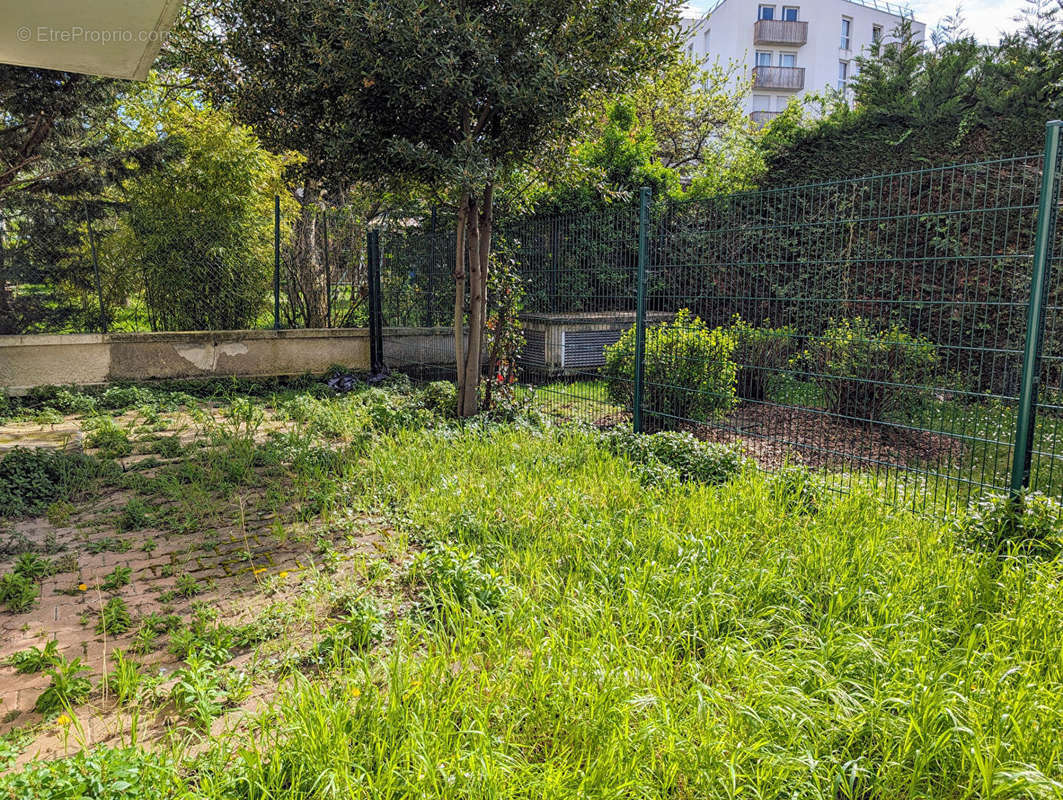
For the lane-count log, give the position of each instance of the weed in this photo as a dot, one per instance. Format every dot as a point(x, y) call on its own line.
point(114, 617)
point(203, 689)
point(17, 592)
point(1029, 525)
point(125, 678)
point(59, 513)
point(189, 586)
point(119, 577)
point(108, 544)
point(69, 687)
point(106, 435)
point(170, 447)
point(31, 480)
point(455, 577)
point(32, 567)
point(135, 516)
point(35, 659)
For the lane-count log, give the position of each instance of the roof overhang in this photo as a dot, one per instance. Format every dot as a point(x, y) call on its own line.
point(114, 38)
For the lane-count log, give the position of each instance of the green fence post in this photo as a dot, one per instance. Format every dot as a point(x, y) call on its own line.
point(640, 306)
point(276, 262)
point(1029, 391)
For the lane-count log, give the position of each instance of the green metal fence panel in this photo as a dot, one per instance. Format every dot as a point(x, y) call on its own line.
point(876, 325)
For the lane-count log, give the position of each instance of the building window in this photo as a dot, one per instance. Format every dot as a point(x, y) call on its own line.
point(706, 42)
point(789, 13)
point(787, 60)
point(762, 102)
point(847, 30)
point(876, 34)
point(765, 12)
point(763, 58)
point(690, 49)
point(843, 75)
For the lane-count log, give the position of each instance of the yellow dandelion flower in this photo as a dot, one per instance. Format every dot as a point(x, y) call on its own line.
point(282, 574)
point(354, 691)
point(63, 720)
point(82, 587)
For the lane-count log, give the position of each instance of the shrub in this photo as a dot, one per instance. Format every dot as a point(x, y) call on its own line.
point(672, 454)
point(1032, 525)
point(30, 480)
point(760, 355)
point(868, 373)
point(440, 397)
point(688, 374)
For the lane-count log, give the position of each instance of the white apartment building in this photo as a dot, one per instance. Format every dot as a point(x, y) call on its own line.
point(790, 47)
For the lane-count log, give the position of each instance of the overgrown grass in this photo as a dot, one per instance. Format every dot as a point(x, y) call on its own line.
point(578, 631)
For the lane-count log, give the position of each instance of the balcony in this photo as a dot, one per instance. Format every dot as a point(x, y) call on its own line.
point(780, 31)
point(787, 79)
point(762, 118)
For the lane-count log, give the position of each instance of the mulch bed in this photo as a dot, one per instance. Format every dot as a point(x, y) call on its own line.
point(776, 435)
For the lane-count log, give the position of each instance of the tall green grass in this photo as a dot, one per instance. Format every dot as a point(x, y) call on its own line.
point(671, 641)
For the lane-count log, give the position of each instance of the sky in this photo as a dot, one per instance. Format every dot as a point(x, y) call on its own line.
point(986, 19)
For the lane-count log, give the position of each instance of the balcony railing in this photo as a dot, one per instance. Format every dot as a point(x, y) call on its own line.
point(780, 31)
point(790, 79)
point(763, 117)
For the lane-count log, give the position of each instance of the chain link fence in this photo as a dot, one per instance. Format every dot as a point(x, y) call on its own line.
point(70, 267)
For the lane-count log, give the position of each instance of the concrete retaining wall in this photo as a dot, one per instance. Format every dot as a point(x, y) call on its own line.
point(88, 359)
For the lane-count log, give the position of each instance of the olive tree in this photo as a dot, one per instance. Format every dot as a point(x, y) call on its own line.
point(449, 95)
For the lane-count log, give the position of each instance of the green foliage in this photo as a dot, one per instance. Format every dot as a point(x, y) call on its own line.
point(114, 617)
point(30, 480)
point(457, 579)
point(619, 162)
point(796, 489)
point(135, 516)
point(17, 592)
point(32, 566)
point(670, 456)
point(199, 229)
point(916, 105)
point(760, 355)
point(869, 373)
point(689, 372)
point(119, 577)
point(110, 437)
point(1031, 524)
point(204, 689)
point(125, 678)
point(33, 659)
point(440, 397)
point(69, 687)
point(96, 773)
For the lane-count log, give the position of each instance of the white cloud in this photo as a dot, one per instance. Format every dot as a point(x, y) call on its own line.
point(986, 19)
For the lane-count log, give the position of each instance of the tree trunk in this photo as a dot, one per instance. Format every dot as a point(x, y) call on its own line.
point(478, 232)
point(459, 303)
point(309, 271)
